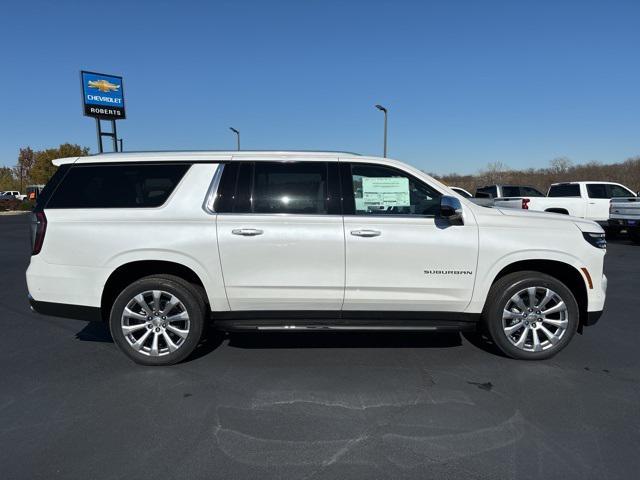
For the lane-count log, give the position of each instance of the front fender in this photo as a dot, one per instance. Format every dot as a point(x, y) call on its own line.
point(490, 271)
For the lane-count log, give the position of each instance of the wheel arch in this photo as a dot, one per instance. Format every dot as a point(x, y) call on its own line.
point(564, 272)
point(129, 272)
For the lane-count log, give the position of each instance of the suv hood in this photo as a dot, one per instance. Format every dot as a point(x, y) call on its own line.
point(583, 224)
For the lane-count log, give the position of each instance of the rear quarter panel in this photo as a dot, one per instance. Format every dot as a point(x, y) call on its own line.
point(89, 244)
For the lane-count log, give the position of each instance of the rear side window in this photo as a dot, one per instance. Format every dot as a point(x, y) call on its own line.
point(616, 191)
point(487, 192)
point(304, 188)
point(566, 190)
point(511, 192)
point(117, 186)
point(290, 188)
point(43, 197)
point(530, 192)
point(597, 190)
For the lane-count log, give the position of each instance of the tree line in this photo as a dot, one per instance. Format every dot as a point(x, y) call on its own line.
point(559, 170)
point(34, 167)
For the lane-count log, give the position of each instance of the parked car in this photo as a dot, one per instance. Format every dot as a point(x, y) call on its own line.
point(624, 213)
point(156, 244)
point(588, 200)
point(483, 201)
point(502, 191)
point(13, 193)
point(9, 203)
point(461, 191)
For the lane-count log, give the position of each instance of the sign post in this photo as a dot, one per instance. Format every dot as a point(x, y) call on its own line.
point(103, 99)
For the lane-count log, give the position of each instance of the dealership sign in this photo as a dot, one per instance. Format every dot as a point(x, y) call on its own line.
point(102, 96)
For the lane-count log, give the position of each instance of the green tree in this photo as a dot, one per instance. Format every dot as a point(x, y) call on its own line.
point(43, 169)
point(7, 180)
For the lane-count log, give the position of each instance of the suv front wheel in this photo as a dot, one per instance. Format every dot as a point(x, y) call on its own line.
point(158, 320)
point(530, 315)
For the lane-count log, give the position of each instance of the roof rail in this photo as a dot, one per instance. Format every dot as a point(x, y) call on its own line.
point(229, 151)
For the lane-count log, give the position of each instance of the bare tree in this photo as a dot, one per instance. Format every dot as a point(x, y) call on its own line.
point(495, 172)
point(560, 165)
point(626, 173)
point(26, 159)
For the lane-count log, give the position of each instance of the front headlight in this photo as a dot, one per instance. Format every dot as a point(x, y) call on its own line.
point(598, 240)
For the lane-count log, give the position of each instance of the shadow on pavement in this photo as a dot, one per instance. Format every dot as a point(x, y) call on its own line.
point(345, 340)
point(99, 332)
point(95, 332)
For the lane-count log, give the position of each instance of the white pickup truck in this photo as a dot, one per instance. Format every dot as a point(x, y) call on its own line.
point(588, 200)
point(625, 213)
point(13, 193)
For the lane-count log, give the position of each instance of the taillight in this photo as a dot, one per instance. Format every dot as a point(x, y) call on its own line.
point(38, 229)
point(525, 203)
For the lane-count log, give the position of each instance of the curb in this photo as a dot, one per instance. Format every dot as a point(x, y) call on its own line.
point(15, 212)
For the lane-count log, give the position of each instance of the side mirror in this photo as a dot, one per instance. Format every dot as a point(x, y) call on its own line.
point(451, 209)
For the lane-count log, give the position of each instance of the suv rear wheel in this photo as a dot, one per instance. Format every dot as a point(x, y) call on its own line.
point(158, 320)
point(530, 315)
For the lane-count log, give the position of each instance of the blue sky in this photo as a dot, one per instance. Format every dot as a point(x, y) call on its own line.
point(466, 82)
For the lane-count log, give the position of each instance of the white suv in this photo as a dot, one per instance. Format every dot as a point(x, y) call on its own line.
point(157, 244)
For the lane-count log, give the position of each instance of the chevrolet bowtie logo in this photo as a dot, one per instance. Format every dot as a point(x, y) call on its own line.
point(103, 85)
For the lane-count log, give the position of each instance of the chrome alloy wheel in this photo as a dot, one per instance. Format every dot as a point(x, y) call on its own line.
point(535, 319)
point(155, 323)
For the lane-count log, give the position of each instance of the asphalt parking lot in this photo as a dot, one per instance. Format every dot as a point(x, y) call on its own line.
point(316, 406)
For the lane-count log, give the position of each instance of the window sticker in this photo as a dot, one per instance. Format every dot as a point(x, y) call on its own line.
point(385, 192)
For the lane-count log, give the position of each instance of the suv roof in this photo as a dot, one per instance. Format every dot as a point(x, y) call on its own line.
point(197, 155)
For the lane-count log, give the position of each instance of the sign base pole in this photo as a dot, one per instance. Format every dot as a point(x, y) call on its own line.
point(99, 131)
point(113, 134)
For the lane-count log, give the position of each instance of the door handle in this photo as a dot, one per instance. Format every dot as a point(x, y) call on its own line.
point(247, 232)
point(366, 233)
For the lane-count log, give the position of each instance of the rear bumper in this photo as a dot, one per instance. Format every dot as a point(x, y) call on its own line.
point(65, 284)
point(77, 312)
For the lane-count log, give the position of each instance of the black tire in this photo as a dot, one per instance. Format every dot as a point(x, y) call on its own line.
point(191, 300)
point(499, 297)
point(611, 232)
point(634, 235)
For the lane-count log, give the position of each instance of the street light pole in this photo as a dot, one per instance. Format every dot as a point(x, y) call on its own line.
point(384, 110)
point(237, 132)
